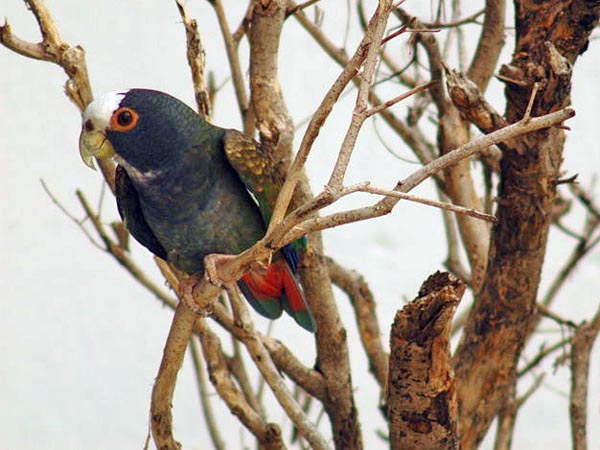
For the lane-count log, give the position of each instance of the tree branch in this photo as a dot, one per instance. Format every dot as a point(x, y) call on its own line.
point(197, 61)
point(71, 59)
point(209, 418)
point(386, 205)
point(363, 303)
point(508, 416)
point(161, 419)
point(268, 370)
point(267, 434)
point(498, 325)
point(421, 403)
point(581, 348)
point(237, 75)
point(491, 41)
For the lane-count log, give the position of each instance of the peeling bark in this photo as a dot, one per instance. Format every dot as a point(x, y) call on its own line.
point(550, 36)
point(421, 405)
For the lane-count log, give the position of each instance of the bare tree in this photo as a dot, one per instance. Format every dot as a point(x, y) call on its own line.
point(431, 398)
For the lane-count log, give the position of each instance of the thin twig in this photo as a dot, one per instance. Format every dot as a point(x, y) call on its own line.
point(209, 418)
point(238, 370)
point(546, 312)
point(581, 249)
point(534, 92)
point(455, 23)
point(442, 205)
point(558, 224)
point(268, 435)
point(74, 219)
point(399, 98)
point(508, 417)
point(586, 200)
point(242, 28)
point(267, 368)
point(196, 60)
point(542, 354)
point(453, 262)
point(237, 75)
point(122, 257)
point(397, 71)
point(299, 7)
point(386, 205)
point(373, 40)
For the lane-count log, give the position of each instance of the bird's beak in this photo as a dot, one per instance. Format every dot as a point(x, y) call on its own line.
point(94, 144)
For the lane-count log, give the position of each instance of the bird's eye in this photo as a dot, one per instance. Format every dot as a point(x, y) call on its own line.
point(124, 119)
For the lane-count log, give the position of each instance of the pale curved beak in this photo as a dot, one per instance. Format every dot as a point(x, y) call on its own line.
point(94, 144)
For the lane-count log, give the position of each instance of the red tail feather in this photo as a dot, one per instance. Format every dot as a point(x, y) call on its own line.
point(273, 282)
point(264, 283)
point(270, 289)
point(292, 290)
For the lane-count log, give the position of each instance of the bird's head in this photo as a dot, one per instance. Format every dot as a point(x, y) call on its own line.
point(142, 129)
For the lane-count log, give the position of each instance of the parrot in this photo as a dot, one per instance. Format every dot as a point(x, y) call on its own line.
point(186, 189)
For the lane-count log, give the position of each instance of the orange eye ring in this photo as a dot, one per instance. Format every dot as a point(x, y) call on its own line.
point(124, 119)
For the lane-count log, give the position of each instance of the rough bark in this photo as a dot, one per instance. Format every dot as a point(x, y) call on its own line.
point(421, 402)
point(550, 36)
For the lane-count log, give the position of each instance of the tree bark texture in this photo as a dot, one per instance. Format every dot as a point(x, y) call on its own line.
point(550, 36)
point(421, 401)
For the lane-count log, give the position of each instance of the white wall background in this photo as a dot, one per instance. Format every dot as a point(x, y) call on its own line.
point(80, 341)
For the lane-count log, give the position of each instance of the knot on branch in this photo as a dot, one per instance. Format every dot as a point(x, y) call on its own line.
point(272, 438)
point(462, 90)
point(469, 100)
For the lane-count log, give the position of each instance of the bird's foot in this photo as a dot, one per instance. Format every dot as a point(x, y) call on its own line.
point(211, 267)
point(186, 293)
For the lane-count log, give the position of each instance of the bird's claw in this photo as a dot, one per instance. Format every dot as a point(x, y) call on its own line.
point(211, 271)
point(186, 293)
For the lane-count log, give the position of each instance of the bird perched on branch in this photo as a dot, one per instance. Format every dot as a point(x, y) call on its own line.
point(187, 189)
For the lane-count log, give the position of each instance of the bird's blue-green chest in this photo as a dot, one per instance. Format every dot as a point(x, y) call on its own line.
point(193, 215)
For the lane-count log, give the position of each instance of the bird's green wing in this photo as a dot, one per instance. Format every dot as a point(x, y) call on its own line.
point(254, 165)
point(257, 169)
point(131, 212)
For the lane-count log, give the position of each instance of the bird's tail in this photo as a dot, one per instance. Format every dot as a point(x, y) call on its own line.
point(275, 288)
